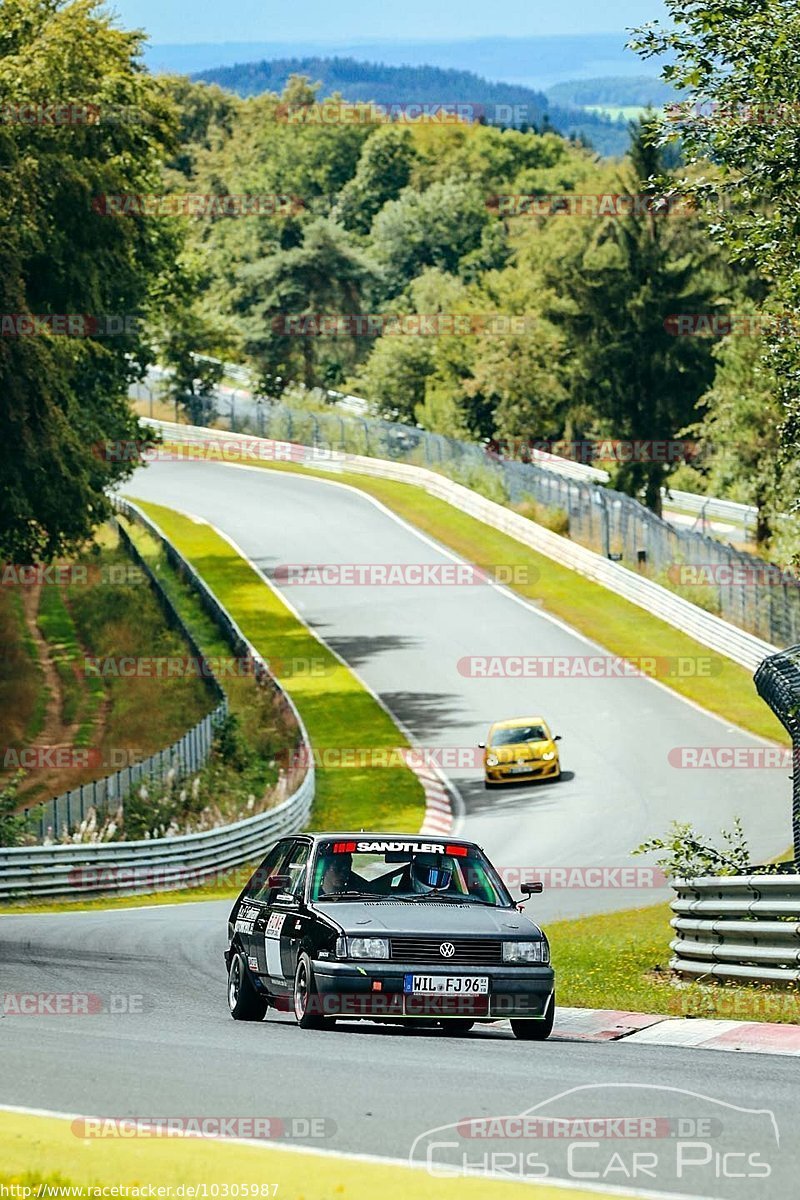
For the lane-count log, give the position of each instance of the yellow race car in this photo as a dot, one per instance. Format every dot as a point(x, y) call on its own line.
point(520, 749)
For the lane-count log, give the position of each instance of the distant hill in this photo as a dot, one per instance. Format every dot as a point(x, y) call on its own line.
point(534, 62)
point(614, 91)
point(364, 81)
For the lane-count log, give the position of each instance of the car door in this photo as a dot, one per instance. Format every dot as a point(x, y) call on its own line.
point(286, 920)
point(251, 917)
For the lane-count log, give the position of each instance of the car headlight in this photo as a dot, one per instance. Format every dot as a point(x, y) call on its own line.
point(492, 760)
point(549, 756)
point(367, 947)
point(526, 952)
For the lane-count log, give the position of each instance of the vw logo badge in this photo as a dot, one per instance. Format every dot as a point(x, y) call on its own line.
point(447, 949)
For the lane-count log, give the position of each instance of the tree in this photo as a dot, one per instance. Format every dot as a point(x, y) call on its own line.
point(96, 126)
point(384, 169)
point(626, 364)
point(326, 276)
point(740, 431)
point(736, 63)
point(434, 228)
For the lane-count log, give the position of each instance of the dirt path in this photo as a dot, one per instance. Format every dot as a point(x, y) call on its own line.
point(55, 733)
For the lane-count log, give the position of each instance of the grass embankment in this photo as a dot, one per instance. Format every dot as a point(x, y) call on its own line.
point(103, 631)
point(338, 712)
point(63, 1158)
point(621, 960)
point(23, 696)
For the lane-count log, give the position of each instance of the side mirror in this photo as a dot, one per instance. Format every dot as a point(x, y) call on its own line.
point(481, 745)
point(557, 738)
point(278, 881)
point(532, 889)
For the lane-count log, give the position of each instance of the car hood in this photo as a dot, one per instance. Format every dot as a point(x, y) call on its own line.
point(439, 919)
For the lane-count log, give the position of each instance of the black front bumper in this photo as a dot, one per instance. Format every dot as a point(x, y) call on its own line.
point(377, 989)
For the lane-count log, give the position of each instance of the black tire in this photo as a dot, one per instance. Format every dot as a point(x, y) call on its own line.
point(304, 991)
point(489, 786)
point(244, 1002)
point(536, 1029)
point(456, 1026)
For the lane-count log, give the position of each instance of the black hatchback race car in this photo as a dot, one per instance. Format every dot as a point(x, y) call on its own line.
point(387, 927)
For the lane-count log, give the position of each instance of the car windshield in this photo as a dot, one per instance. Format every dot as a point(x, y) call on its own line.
point(520, 733)
point(408, 870)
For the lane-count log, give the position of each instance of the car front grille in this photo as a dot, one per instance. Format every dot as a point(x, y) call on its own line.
point(426, 950)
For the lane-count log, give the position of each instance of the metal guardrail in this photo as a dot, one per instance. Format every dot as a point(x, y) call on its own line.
point(705, 627)
point(144, 866)
point(742, 928)
point(184, 757)
point(742, 515)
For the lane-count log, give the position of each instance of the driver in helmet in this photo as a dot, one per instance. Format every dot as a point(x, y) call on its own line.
point(431, 873)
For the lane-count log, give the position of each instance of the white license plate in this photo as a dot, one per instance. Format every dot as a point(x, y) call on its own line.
point(522, 768)
point(446, 985)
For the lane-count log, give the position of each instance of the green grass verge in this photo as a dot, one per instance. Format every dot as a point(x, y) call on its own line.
point(621, 960)
point(719, 685)
point(81, 695)
point(338, 712)
point(44, 1153)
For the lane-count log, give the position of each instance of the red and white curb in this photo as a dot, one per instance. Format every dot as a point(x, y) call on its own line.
point(650, 1029)
point(439, 816)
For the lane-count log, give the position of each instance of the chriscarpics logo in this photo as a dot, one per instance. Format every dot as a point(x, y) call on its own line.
point(638, 1137)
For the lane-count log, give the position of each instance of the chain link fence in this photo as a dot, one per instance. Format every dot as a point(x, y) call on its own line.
point(739, 587)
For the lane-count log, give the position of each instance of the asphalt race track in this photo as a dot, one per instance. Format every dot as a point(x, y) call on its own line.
point(159, 1040)
point(406, 642)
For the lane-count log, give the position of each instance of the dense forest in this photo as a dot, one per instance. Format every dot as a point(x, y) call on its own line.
point(574, 297)
point(499, 103)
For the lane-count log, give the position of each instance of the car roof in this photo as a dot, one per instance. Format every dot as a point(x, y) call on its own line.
point(361, 835)
point(515, 722)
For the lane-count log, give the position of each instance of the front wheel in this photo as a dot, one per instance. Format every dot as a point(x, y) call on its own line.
point(536, 1030)
point(306, 997)
point(243, 999)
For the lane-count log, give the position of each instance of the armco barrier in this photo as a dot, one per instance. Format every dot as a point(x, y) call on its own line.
point(737, 928)
point(146, 866)
point(77, 870)
point(704, 627)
